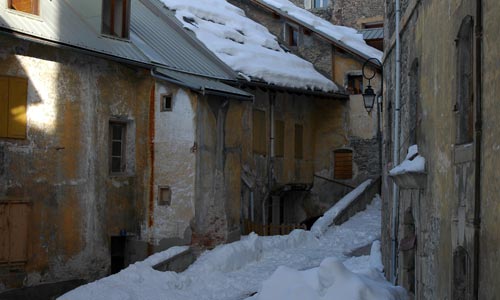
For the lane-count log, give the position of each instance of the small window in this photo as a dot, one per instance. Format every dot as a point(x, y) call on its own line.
point(355, 84)
point(299, 141)
point(292, 36)
point(372, 25)
point(164, 196)
point(320, 3)
point(27, 6)
point(117, 132)
point(116, 18)
point(13, 100)
point(279, 138)
point(259, 132)
point(342, 164)
point(166, 102)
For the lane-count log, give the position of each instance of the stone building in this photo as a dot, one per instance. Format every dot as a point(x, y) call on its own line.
point(444, 228)
point(111, 126)
point(343, 64)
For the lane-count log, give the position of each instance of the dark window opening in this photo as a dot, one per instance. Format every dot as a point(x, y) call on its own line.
point(465, 96)
point(279, 138)
point(342, 160)
point(116, 18)
point(117, 147)
point(164, 196)
point(166, 103)
point(299, 141)
point(414, 103)
point(373, 25)
point(293, 36)
point(259, 132)
point(355, 84)
point(27, 6)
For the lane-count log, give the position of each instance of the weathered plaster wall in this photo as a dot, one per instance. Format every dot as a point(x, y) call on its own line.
point(490, 233)
point(175, 166)
point(62, 166)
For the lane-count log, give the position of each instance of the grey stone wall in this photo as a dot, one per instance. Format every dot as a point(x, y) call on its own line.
point(348, 12)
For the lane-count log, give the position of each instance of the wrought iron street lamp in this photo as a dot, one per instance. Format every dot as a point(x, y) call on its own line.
point(369, 94)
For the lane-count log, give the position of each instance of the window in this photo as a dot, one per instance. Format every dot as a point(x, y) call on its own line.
point(465, 96)
point(164, 195)
point(279, 138)
point(166, 102)
point(117, 132)
point(27, 6)
point(116, 18)
point(259, 132)
point(292, 36)
point(13, 99)
point(342, 164)
point(299, 141)
point(355, 84)
point(320, 3)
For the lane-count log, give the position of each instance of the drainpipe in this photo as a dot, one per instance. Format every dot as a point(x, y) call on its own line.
point(395, 189)
point(478, 131)
point(270, 156)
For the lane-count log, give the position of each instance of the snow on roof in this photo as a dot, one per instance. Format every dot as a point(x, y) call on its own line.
point(349, 36)
point(246, 46)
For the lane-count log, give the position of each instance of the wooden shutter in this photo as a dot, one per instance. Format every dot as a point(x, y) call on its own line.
point(259, 132)
point(18, 95)
point(4, 106)
point(27, 6)
point(279, 138)
point(343, 164)
point(299, 141)
point(14, 217)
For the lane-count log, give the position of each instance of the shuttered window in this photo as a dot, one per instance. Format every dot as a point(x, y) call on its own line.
point(14, 218)
point(27, 6)
point(13, 99)
point(343, 164)
point(259, 132)
point(116, 18)
point(299, 141)
point(279, 138)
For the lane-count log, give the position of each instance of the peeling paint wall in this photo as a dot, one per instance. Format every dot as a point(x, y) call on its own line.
point(62, 167)
point(174, 166)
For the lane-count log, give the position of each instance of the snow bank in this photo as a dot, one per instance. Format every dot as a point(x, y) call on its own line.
point(322, 224)
point(137, 279)
point(332, 280)
point(246, 46)
point(412, 163)
point(347, 35)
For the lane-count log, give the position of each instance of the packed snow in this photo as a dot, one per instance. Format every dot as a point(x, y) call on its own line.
point(295, 266)
point(322, 224)
point(246, 46)
point(413, 163)
point(347, 35)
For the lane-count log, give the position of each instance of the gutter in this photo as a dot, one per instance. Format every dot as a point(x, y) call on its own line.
point(395, 189)
point(478, 142)
point(199, 89)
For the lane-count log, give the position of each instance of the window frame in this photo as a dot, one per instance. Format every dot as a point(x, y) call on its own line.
point(163, 106)
point(125, 15)
point(123, 141)
point(291, 35)
point(322, 4)
point(353, 78)
point(35, 8)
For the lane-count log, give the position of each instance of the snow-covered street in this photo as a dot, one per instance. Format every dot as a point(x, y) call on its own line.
point(239, 270)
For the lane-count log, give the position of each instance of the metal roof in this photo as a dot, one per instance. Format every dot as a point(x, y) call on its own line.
point(156, 38)
point(200, 84)
point(372, 33)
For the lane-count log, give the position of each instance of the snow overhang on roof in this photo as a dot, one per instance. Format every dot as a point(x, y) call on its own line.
point(246, 46)
point(343, 37)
